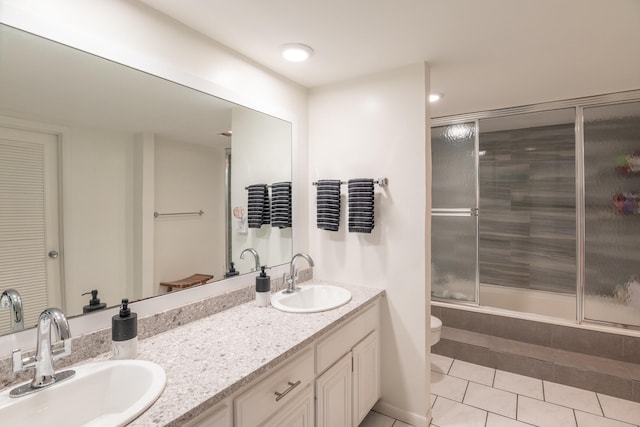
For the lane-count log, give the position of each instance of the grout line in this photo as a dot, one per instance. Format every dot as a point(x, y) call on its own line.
point(600, 404)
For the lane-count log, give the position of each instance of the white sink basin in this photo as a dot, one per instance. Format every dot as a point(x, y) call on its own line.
point(110, 393)
point(311, 299)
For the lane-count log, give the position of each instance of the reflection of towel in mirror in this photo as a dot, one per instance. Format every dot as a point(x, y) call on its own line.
point(361, 205)
point(281, 204)
point(258, 209)
point(328, 204)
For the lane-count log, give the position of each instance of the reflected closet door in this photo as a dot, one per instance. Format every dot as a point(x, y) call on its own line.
point(454, 216)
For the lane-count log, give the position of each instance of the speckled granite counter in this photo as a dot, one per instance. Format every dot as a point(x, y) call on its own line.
point(210, 359)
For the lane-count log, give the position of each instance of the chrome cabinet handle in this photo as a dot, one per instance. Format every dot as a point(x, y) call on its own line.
point(291, 387)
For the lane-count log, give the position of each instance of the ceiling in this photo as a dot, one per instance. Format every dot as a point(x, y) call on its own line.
point(525, 42)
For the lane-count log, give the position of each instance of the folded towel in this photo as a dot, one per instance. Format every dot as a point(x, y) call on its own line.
point(258, 209)
point(328, 204)
point(361, 205)
point(281, 204)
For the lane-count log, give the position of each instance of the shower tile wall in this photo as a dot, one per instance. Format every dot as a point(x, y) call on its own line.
point(527, 231)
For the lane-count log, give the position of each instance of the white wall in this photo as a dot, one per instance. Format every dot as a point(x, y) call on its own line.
point(375, 127)
point(97, 191)
point(188, 178)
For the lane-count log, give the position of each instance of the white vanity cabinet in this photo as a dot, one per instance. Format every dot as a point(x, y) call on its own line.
point(348, 361)
point(333, 382)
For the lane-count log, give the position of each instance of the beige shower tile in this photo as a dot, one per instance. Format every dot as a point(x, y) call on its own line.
point(572, 397)
point(544, 414)
point(447, 386)
point(520, 384)
point(620, 409)
point(472, 372)
point(491, 399)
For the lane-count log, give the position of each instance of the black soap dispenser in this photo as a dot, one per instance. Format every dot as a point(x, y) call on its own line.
point(232, 271)
point(124, 333)
point(263, 288)
point(94, 302)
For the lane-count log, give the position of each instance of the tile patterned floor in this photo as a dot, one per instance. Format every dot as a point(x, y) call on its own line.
point(468, 395)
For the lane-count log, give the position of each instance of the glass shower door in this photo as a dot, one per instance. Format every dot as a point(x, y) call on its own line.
point(612, 213)
point(454, 214)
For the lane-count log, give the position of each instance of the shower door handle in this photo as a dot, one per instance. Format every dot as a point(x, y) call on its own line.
point(455, 212)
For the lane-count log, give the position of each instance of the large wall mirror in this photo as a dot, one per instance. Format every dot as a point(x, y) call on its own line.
point(116, 180)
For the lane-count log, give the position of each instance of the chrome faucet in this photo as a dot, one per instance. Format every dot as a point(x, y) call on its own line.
point(11, 299)
point(256, 257)
point(290, 279)
point(42, 361)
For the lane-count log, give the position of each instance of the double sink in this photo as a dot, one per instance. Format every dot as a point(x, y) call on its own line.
point(113, 393)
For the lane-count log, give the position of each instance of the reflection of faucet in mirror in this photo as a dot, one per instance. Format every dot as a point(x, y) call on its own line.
point(42, 361)
point(11, 299)
point(290, 279)
point(256, 257)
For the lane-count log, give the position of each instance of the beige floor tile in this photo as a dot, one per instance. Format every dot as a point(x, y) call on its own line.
point(620, 409)
point(544, 414)
point(440, 363)
point(520, 384)
point(491, 399)
point(375, 419)
point(433, 399)
point(495, 420)
point(447, 386)
point(589, 420)
point(472, 372)
point(447, 413)
point(399, 423)
point(572, 397)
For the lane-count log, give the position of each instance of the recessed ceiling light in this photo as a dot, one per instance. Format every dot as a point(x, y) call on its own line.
point(435, 96)
point(296, 52)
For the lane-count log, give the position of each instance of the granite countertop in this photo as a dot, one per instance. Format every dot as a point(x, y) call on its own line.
point(210, 359)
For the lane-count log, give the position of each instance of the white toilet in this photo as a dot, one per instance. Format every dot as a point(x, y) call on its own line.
point(436, 329)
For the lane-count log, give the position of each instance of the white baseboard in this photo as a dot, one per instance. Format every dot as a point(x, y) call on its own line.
point(412, 418)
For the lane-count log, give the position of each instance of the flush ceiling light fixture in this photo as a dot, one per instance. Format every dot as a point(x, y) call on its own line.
point(296, 52)
point(435, 96)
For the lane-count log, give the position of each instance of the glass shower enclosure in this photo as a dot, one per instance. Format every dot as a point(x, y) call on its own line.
point(540, 205)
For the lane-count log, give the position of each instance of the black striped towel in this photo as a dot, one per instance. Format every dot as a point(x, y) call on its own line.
point(328, 204)
point(258, 209)
point(281, 204)
point(361, 205)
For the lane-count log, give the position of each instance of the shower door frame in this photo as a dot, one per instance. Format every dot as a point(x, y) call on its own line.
point(578, 104)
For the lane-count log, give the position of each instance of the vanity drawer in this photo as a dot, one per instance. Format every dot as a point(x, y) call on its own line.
point(262, 400)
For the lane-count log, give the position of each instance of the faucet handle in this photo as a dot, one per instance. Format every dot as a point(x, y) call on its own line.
point(17, 361)
point(21, 364)
point(61, 349)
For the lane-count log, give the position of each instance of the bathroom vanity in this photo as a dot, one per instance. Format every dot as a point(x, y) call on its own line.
point(250, 365)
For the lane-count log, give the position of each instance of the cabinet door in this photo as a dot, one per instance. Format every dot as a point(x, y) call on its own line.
point(366, 376)
point(297, 413)
point(333, 393)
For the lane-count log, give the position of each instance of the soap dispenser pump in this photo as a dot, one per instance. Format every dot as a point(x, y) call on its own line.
point(124, 333)
point(94, 302)
point(263, 288)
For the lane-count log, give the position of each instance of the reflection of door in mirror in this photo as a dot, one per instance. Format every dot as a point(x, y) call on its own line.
point(29, 221)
